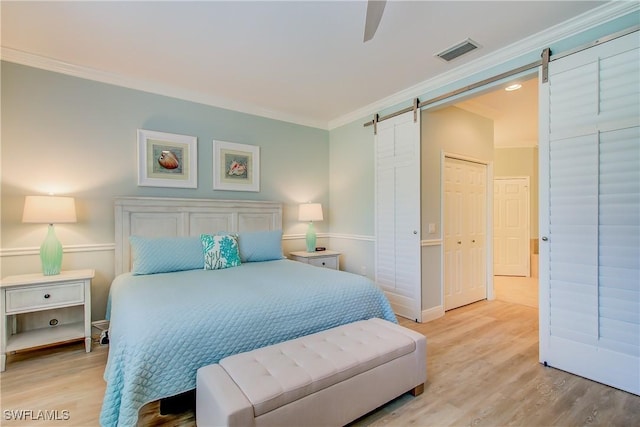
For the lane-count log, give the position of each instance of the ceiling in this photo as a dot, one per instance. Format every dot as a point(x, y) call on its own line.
point(514, 113)
point(303, 61)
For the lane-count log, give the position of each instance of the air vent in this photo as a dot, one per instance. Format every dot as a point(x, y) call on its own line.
point(460, 49)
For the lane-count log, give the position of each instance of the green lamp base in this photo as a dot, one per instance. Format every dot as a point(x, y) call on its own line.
point(51, 253)
point(311, 238)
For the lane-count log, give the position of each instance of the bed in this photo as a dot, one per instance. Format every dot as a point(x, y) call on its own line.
point(169, 315)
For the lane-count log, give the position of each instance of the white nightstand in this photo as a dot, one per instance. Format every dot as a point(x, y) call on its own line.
point(326, 259)
point(30, 314)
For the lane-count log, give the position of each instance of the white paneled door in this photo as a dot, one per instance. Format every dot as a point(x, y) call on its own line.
point(590, 214)
point(511, 226)
point(398, 213)
point(465, 225)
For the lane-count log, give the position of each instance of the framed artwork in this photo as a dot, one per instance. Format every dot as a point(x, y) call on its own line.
point(236, 167)
point(167, 160)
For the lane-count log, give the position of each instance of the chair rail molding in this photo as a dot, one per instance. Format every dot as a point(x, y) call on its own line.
point(94, 247)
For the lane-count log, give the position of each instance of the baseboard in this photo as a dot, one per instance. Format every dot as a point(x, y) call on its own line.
point(432, 314)
point(535, 259)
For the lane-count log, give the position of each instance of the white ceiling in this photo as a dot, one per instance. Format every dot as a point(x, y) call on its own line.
point(299, 61)
point(514, 114)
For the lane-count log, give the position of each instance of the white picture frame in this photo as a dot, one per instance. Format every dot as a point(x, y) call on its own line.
point(167, 160)
point(236, 167)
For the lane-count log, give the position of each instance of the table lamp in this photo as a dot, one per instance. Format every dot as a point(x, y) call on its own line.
point(310, 212)
point(49, 210)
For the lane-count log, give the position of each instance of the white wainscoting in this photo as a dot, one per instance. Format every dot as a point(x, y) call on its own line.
point(95, 247)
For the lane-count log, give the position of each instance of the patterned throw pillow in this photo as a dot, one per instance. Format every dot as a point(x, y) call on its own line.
point(220, 251)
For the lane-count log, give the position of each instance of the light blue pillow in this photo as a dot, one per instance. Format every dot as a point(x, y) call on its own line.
point(220, 251)
point(165, 254)
point(260, 245)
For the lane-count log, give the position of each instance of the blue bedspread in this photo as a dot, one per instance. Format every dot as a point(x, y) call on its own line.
point(166, 326)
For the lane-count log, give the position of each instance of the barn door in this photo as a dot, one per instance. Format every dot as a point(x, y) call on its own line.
point(398, 213)
point(590, 214)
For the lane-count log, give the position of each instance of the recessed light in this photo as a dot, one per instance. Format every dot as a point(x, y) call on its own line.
point(513, 87)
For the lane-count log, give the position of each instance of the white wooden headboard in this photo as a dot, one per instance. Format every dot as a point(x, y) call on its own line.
point(167, 217)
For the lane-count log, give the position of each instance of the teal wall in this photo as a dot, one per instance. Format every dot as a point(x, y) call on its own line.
point(352, 197)
point(77, 137)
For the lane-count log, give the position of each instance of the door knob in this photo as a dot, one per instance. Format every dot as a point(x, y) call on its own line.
point(545, 238)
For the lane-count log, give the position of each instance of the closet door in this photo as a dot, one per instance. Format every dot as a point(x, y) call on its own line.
point(465, 259)
point(397, 250)
point(590, 214)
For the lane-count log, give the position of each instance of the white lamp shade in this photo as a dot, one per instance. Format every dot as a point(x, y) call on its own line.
point(310, 212)
point(49, 209)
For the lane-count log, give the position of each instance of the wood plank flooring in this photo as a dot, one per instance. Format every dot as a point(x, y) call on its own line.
point(482, 368)
point(519, 290)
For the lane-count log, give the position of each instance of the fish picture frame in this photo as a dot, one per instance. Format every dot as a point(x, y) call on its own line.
point(236, 167)
point(167, 160)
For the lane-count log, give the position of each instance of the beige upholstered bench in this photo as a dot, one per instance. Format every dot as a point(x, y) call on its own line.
point(329, 378)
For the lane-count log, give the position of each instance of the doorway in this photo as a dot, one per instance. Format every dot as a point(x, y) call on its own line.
point(515, 155)
point(511, 226)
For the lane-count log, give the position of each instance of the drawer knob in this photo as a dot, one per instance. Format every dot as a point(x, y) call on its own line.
point(47, 296)
point(324, 263)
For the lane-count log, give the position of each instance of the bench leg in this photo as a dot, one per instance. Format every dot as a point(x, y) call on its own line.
point(417, 390)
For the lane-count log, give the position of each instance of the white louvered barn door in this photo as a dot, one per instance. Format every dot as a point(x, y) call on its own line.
point(398, 213)
point(590, 214)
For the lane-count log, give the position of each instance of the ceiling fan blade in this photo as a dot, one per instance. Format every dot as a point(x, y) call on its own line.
point(375, 8)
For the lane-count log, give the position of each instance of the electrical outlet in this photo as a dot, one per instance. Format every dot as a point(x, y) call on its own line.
point(432, 228)
point(363, 270)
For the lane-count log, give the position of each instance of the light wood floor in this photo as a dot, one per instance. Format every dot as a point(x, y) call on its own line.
point(482, 370)
point(519, 290)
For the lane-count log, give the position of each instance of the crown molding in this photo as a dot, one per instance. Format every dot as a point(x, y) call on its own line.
point(57, 66)
point(588, 20)
point(538, 41)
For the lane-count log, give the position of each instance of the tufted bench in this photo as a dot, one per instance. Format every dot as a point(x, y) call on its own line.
point(329, 378)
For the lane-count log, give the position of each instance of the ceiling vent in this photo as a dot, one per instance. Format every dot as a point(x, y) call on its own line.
point(460, 49)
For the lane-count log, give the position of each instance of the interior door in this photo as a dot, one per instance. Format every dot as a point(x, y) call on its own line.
point(465, 224)
point(511, 244)
point(590, 214)
point(398, 270)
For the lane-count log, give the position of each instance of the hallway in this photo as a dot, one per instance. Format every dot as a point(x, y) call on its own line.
point(518, 290)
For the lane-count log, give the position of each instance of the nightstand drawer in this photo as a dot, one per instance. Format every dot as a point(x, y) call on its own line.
point(326, 262)
point(43, 297)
